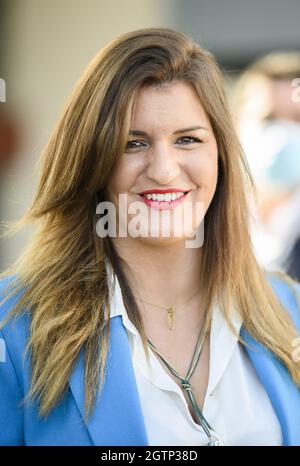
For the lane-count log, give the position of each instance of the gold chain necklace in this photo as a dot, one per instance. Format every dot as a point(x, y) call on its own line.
point(171, 311)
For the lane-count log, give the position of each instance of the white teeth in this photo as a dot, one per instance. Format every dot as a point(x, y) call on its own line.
point(168, 197)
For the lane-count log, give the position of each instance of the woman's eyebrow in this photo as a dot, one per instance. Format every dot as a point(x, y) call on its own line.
point(136, 132)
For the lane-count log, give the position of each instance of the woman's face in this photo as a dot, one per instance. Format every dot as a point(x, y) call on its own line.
point(171, 149)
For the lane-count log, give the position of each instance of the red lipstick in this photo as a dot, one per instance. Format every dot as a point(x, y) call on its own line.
point(163, 191)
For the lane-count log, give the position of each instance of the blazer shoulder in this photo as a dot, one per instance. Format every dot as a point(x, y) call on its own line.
point(14, 332)
point(12, 371)
point(8, 284)
point(288, 292)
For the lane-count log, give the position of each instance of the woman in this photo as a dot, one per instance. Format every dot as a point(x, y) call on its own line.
point(153, 338)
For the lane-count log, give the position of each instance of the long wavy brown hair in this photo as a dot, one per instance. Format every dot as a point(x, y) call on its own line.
point(62, 272)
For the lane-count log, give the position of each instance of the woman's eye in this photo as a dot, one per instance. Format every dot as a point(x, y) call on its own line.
point(134, 144)
point(188, 139)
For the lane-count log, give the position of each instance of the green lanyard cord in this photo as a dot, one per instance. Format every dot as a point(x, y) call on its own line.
point(185, 381)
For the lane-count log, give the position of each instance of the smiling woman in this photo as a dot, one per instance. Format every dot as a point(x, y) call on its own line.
point(140, 339)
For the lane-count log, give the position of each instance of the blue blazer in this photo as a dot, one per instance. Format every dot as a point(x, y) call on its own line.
point(117, 418)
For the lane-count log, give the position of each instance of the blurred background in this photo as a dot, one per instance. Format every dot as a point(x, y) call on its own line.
point(46, 44)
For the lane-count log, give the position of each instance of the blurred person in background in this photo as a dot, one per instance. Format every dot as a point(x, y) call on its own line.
point(267, 112)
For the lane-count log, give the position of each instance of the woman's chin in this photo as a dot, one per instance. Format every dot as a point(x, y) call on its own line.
point(161, 240)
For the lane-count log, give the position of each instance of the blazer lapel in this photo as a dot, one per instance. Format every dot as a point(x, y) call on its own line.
point(117, 418)
point(282, 391)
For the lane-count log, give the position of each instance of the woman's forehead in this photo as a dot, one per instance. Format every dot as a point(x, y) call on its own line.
point(177, 106)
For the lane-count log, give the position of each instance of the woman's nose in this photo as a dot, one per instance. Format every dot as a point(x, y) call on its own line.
point(163, 166)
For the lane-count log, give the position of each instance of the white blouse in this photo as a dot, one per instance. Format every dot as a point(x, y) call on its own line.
point(236, 404)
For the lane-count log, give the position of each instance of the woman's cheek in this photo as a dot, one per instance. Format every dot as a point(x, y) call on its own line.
point(119, 181)
point(204, 172)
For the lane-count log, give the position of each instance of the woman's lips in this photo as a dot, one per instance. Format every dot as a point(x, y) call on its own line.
point(161, 205)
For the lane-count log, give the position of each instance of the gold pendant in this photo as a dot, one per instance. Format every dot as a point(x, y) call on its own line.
point(171, 316)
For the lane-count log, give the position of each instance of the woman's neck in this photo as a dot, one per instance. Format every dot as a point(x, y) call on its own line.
point(164, 275)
